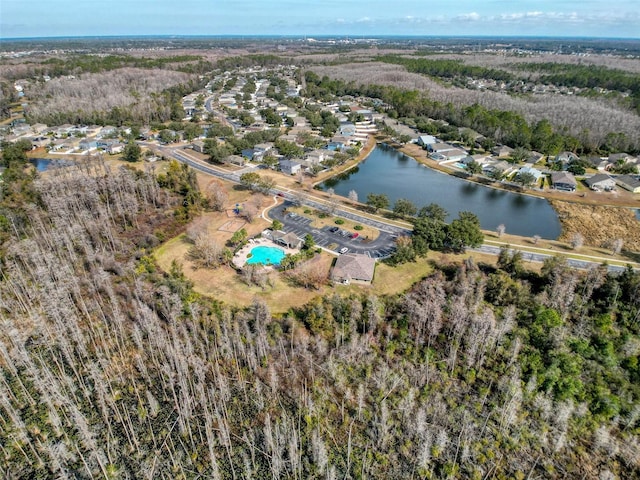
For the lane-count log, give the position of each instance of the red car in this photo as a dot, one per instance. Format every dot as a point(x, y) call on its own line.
point(355, 235)
point(280, 194)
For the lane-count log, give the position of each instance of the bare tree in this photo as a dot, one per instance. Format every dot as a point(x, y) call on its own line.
point(216, 195)
point(353, 196)
point(616, 246)
point(500, 230)
point(576, 241)
point(536, 239)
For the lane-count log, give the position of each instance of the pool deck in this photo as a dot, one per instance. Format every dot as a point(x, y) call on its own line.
point(240, 258)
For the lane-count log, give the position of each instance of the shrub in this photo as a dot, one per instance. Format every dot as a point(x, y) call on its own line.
point(339, 221)
point(307, 210)
point(358, 227)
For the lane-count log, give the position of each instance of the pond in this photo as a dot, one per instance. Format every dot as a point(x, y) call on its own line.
point(43, 164)
point(397, 175)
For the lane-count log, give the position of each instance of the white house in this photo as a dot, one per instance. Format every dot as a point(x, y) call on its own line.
point(289, 167)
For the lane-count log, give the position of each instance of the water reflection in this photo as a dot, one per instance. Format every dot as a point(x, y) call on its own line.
point(399, 176)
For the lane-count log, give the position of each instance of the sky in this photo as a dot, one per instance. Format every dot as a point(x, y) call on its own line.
point(569, 18)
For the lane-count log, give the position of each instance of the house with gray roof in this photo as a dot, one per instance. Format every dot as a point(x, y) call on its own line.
point(563, 181)
point(600, 182)
point(289, 167)
point(629, 182)
point(353, 267)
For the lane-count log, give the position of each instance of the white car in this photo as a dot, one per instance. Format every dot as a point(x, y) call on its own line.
point(344, 250)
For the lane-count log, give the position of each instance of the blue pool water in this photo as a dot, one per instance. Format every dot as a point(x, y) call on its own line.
point(266, 256)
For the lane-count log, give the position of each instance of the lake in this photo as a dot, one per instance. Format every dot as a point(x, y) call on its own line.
point(397, 175)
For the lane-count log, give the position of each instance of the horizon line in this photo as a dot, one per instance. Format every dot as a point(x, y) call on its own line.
point(324, 35)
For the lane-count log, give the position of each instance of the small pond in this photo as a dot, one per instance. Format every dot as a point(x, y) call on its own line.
point(43, 164)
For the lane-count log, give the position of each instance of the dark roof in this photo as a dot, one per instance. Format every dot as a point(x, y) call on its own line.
point(601, 177)
point(629, 181)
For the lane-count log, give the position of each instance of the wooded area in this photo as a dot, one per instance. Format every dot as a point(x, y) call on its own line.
point(111, 368)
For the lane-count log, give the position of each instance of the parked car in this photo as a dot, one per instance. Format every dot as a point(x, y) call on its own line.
point(355, 235)
point(334, 229)
point(344, 250)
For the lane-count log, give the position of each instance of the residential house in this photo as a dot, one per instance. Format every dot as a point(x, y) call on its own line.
point(563, 181)
point(61, 144)
point(598, 163)
point(565, 158)
point(236, 160)
point(248, 153)
point(263, 147)
point(115, 148)
point(439, 147)
point(533, 171)
point(198, 146)
point(502, 151)
point(88, 144)
point(289, 167)
point(629, 182)
point(353, 267)
point(289, 240)
point(347, 129)
point(424, 140)
point(621, 158)
point(40, 141)
point(494, 165)
point(22, 129)
point(533, 158)
point(601, 182)
point(454, 155)
point(39, 128)
point(316, 157)
point(110, 130)
point(335, 146)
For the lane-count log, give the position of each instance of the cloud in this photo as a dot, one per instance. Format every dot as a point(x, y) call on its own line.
point(469, 17)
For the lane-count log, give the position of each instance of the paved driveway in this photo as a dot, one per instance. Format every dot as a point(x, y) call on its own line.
point(381, 247)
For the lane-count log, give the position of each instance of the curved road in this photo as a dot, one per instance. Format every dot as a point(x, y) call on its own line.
point(387, 232)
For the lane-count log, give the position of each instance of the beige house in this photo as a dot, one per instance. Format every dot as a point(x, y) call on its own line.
point(353, 267)
point(289, 240)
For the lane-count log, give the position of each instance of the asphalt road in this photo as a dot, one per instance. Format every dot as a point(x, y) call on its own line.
point(380, 248)
point(541, 257)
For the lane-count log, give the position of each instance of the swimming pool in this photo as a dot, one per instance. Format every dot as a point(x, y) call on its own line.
point(266, 256)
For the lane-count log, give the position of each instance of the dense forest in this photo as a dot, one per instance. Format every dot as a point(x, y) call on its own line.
point(112, 368)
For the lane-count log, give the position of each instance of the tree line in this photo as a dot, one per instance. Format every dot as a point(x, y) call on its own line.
point(507, 127)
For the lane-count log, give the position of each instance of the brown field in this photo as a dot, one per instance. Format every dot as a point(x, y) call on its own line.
point(599, 224)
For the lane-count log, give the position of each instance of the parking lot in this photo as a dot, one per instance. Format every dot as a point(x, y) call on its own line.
point(332, 237)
